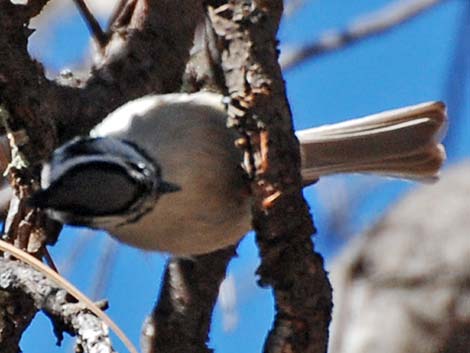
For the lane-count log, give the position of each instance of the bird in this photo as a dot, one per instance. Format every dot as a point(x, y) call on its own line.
point(161, 173)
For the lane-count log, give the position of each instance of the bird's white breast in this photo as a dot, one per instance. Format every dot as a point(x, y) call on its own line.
point(187, 136)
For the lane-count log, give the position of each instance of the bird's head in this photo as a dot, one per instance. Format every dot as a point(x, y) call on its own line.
point(99, 182)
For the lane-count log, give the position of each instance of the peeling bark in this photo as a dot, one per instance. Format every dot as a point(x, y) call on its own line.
point(260, 111)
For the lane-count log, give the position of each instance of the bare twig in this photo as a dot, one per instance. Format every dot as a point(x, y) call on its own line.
point(92, 24)
point(456, 89)
point(372, 24)
point(105, 268)
point(49, 260)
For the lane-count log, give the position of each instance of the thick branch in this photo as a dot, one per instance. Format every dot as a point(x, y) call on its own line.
point(372, 24)
point(147, 52)
point(33, 291)
point(22, 82)
point(181, 319)
point(259, 110)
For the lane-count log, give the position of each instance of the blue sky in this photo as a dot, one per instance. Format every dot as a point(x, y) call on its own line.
point(419, 61)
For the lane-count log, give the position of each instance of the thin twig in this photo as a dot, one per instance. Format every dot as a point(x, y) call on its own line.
point(456, 87)
point(92, 24)
point(117, 12)
point(366, 26)
point(50, 260)
point(105, 265)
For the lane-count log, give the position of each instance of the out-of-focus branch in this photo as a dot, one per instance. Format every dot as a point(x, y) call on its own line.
point(404, 286)
point(181, 319)
point(106, 265)
point(246, 32)
point(364, 27)
point(292, 6)
point(456, 87)
point(35, 292)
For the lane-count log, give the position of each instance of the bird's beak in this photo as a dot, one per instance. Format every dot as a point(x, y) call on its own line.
point(165, 187)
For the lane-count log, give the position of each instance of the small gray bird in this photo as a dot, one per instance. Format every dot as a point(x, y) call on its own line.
point(162, 173)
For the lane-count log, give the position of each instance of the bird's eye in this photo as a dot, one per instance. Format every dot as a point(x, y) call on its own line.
point(143, 168)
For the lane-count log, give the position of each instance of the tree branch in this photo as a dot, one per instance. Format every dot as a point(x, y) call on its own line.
point(259, 110)
point(92, 24)
point(181, 319)
point(32, 292)
point(147, 52)
point(372, 24)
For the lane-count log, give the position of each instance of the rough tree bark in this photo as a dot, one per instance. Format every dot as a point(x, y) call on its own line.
point(259, 109)
point(149, 41)
point(27, 287)
point(147, 49)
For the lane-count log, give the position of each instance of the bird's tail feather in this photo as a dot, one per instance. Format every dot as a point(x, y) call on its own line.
point(403, 143)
